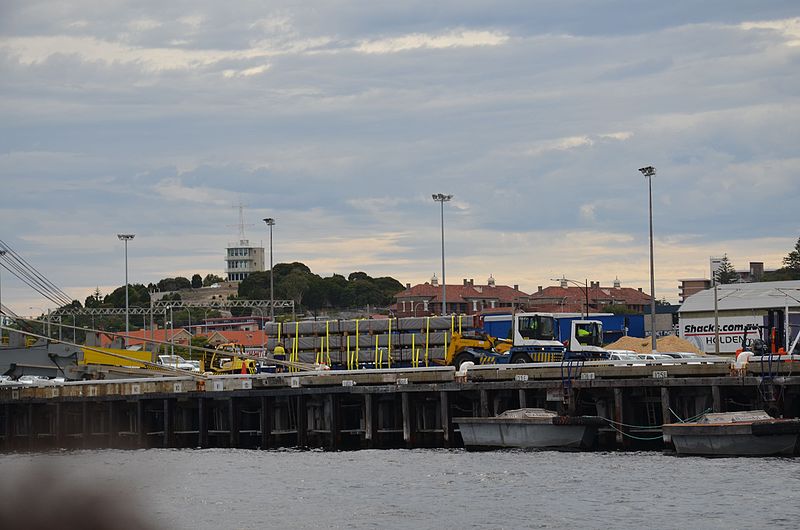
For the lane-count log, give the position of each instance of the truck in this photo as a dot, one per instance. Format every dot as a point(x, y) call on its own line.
point(581, 339)
point(504, 339)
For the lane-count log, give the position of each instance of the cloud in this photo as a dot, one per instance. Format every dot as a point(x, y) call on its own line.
point(454, 39)
point(788, 28)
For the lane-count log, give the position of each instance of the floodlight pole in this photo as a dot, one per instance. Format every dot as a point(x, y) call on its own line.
point(270, 223)
point(125, 238)
point(442, 198)
point(2, 319)
point(649, 172)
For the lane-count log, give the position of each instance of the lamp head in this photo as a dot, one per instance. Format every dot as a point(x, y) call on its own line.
point(270, 221)
point(441, 197)
point(126, 237)
point(648, 171)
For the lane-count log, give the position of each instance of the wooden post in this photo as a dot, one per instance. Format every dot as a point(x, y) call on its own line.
point(334, 419)
point(302, 421)
point(265, 419)
point(618, 416)
point(666, 415)
point(447, 425)
point(59, 425)
point(31, 429)
point(85, 424)
point(716, 398)
point(523, 398)
point(484, 404)
point(169, 411)
point(370, 433)
point(7, 426)
point(111, 428)
point(140, 421)
point(233, 422)
point(202, 422)
point(407, 434)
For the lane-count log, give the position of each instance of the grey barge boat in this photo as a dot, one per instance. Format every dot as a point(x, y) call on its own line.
point(529, 428)
point(747, 433)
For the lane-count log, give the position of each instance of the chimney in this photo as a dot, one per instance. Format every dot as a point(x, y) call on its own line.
point(516, 287)
point(408, 286)
point(472, 281)
point(540, 289)
point(640, 289)
point(466, 282)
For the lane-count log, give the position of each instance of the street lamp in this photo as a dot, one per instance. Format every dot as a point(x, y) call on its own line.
point(584, 288)
point(125, 238)
point(2, 319)
point(649, 172)
point(270, 223)
point(442, 198)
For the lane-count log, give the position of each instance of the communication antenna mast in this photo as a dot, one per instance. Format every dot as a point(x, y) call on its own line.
point(241, 224)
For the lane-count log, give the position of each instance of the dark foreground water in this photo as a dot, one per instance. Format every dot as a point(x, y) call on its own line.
point(229, 489)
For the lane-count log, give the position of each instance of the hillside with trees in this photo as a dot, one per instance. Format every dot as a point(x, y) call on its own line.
point(295, 281)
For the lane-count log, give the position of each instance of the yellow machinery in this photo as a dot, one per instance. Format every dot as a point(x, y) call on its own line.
point(225, 360)
point(94, 356)
point(476, 347)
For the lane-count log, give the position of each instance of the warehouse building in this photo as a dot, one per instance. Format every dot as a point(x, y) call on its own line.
point(744, 311)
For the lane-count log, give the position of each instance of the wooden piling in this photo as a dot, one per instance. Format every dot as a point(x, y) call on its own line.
point(302, 421)
point(406, 405)
point(618, 416)
point(233, 422)
point(370, 433)
point(484, 396)
point(716, 398)
point(202, 422)
point(265, 422)
point(447, 424)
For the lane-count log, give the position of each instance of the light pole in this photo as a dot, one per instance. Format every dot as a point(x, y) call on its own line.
point(584, 288)
point(442, 198)
point(270, 223)
point(2, 318)
point(649, 172)
point(125, 238)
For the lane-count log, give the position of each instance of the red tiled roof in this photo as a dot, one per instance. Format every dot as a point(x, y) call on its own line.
point(462, 293)
point(556, 298)
point(246, 338)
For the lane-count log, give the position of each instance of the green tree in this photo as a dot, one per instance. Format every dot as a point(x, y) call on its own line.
point(138, 296)
point(211, 279)
point(725, 273)
point(792, 260)
point(174, 284)
point(197, 281)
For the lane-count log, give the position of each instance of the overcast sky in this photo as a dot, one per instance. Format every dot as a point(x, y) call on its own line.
point(341, 118)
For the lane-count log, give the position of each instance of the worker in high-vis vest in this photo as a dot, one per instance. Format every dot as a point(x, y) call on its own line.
point(279, 354)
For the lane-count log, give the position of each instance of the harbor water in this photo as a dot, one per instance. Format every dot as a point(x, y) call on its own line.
point(413, 489)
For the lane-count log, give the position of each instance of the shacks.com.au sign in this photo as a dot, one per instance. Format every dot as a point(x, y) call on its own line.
point(701, 332)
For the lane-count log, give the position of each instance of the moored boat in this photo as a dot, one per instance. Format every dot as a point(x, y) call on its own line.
point(529, 428)
point(747, 433)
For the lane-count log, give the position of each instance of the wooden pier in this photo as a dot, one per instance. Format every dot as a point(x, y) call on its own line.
point(344, 410)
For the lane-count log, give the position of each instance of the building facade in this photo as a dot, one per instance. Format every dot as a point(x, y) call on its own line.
point(242, 260)
point(465, 299)
point(592, 298)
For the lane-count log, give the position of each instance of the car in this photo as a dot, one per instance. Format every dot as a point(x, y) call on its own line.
point(176, 361)
point(654, 357)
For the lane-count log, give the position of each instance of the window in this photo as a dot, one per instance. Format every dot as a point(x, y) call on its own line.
point(588, 334)
point(536, 327)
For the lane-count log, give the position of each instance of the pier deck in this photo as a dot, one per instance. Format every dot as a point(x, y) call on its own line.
point(382, 408)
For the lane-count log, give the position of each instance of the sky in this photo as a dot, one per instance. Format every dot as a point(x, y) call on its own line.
point(340, 118)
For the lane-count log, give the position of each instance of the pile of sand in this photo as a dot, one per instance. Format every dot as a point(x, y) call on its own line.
point(670, 343)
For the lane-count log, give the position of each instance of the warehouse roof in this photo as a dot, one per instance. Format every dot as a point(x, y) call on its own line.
point(736, 296)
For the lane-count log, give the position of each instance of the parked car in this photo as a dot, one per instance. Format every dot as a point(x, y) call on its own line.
point(176, 361)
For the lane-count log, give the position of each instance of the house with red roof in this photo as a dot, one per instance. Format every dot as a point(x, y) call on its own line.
point(565, 298)
point(466, 298)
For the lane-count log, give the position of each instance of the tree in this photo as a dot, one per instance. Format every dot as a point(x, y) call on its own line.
point(197, 281)
point(726, 273)
point(792, 260)
point(174, 284)
point(211, 279)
